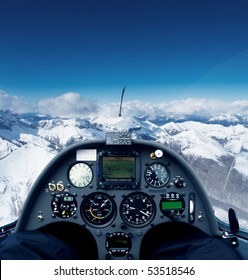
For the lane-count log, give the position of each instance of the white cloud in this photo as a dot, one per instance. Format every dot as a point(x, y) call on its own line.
point(14, 103)
point(240, 106)
point(197, 107)
point(206, 108)
point(68, 105)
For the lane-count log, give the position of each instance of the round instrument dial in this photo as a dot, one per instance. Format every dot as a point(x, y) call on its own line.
point(98, 209)
point(157, 175)
point(118, 244)
point(64, 205)
point(80, 175)
point(137, 209)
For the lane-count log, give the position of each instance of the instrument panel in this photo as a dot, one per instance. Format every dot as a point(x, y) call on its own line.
point(118, 192)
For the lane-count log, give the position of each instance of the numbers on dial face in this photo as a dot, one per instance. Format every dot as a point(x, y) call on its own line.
point(138, 209)
point(98, 209)
point(80, 175)
point(157, 175)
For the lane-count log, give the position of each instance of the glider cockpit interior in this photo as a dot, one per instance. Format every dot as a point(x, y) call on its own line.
point(122, 198)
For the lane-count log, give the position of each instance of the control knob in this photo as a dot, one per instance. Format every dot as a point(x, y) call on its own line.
point(179, 182)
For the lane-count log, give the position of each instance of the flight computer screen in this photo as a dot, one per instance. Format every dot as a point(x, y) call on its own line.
point(118, 168)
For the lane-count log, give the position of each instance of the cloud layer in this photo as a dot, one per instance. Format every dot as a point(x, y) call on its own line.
point(202, 108)
point(74, 105)
point(14, 103)
point(69, 105)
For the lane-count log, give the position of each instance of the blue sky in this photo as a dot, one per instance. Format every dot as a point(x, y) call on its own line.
point(159, 49)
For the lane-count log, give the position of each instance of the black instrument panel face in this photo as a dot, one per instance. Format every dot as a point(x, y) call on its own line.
point(98, 209)
point(137, 209)
point(157, 175)
point(118, 193)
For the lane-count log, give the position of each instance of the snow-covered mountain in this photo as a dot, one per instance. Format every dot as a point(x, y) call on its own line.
point(216, 148)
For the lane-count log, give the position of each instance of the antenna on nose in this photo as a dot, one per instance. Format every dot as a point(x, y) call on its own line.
point(122, 95)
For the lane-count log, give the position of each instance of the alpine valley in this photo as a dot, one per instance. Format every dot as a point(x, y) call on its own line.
point(216, 148)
